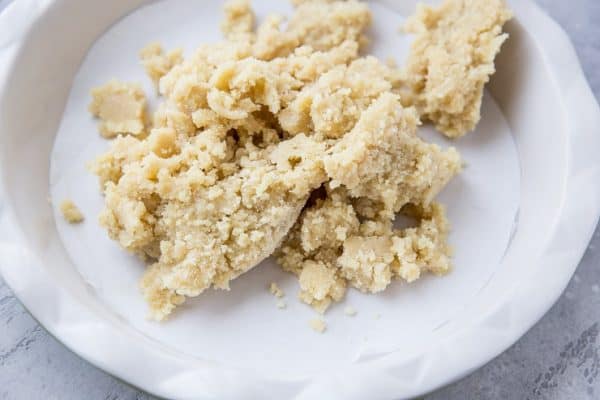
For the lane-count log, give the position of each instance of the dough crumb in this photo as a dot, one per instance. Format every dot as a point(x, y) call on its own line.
point(451, 60)
point(318, 325)
point(239, 19)
point(156, 63)
point(276, 290)
point(350, 311)
point(121, 108)
point(71, 212)
point(281, 304)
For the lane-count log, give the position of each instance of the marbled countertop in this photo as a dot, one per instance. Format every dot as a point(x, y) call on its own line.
point(558, 359)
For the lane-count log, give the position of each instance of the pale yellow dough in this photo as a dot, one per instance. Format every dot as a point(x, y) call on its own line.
point(71, 212)
point(451, 60)
point(278, 139)
point(207, 211)
point(157, 63)
point(350, 311)
point(341, 241)
point(276, 290)
point(347, 238)
point(239, 19)
point(317, 325)
point(121, 108)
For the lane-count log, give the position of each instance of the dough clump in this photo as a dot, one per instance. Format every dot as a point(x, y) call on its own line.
point(157, 63)
point(71, 212)
point(121, 108)
point(281, 139)
point(451, 60)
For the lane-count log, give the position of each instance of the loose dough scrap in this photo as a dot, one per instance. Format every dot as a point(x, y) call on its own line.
point(71, 212)
point(350, 311)
point(318, 325)
point(281, 304)
point(121, 108)
point(157, 63)
point(451, 60)
point(276, 290)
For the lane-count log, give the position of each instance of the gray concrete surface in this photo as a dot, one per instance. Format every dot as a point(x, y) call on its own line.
point(558, 359)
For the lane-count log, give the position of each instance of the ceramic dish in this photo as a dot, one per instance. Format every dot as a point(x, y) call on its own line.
point(522, 213)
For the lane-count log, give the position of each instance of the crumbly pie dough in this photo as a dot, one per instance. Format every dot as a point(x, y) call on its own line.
point(284, 139)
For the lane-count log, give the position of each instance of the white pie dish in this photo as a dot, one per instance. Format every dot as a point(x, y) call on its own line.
point(53, 268)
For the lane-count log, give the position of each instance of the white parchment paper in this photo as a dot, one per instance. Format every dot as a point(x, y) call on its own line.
point(243, 327)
